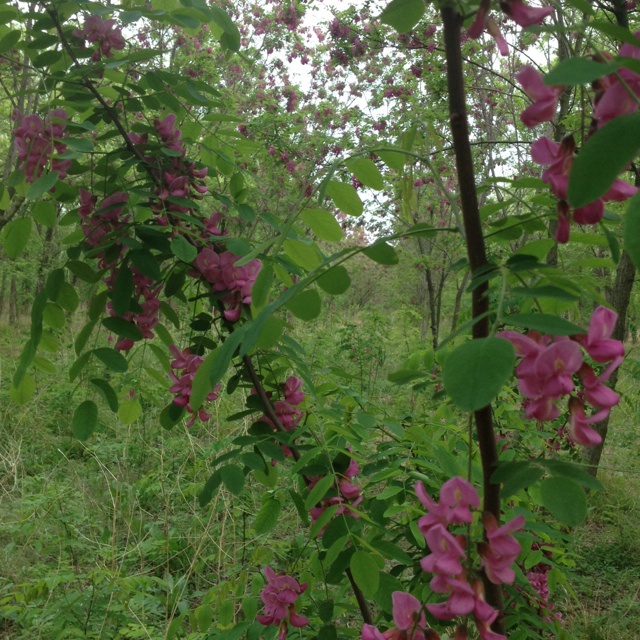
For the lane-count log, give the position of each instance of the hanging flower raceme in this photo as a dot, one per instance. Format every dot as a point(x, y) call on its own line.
point(185, 365)
point(448, 558)
point(409, 618)
point(104, 33)
point(38, 143)
point(279, 597)
point(545, 98)
point(549, 368)
point(234, 283)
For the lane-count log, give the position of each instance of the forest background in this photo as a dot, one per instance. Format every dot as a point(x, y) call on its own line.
point(237, 293)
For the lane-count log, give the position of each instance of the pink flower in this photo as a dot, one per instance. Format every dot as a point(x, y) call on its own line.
point(446, 552)
point(524, 15)
point(456, 496)
point(97, 29)
point(501, 549)
point(597, 341)
point(408, 616)
point(580, 430)
point(279, 597)
point(545, 98)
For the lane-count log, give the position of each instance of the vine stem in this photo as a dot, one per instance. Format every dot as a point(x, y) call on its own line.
point(476, 252)
point(273, 416)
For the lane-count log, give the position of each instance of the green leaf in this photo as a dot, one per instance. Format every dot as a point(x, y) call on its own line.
point(67, 297)
point(54, 283)
point(129, 411)
point(345, 197)
point(545, 323)
point(78, 365)
point(319, 491)
point(212, 484)
point(261, 288)
point(112, 358)
point(268, 515)
point(83, 336)
point(123, 290)
point(304, 255)
point(85, 420)
point(24, 391)
point(16, 236)
point(233, 478)
point(403, 15)
point(53, 316)
point(305, 305)
point(43, 184)
point(213, 367)
point(381, 252)
point(612, 241)
point(604, 155)
point(231, 35)
point(516, 476)
point(394, 159)
point(366, 172)
point(631, 230)
point(565, 499)
point(335, 280)
point(107, 391)
point(183, 249)
point(573, 471)
point(122, 328)
point(9, 41)
point(577, 71)
point(366, 574)
point(468, 381)
point(146, 263)
point(545, 291)
point(171, 415)
point(44, 212)
point(323, 224)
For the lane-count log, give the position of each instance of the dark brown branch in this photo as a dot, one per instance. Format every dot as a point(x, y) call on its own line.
point(105, 105)
point(452, 22)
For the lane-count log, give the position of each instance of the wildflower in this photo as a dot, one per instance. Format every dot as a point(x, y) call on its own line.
point(97, 29)
point(545, 98)
point(409, 619)
point(279, 596)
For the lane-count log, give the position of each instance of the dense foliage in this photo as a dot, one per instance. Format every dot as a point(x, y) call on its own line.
point(188, 187)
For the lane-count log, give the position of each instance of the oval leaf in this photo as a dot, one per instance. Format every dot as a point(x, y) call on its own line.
point(233, 478)
point(545, 323)
point(112, 358)
point(631, 231)
point(334, 281)
point(367, 172)
point(183, 249)
point(319, 491)
point(16, 236)
point(365, 572)
point(345, 197)
point(602, 158)
point(268, 515)
point(129, 411)
point(468, 381)
point(323, 224)
point(403, 15)
point(85, 420)
point(306, 305)
point(565, 499)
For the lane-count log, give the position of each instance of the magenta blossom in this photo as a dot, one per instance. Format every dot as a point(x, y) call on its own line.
point(524, 15)
point(545, 98)
point(408, 616)
point(104, 33)
point(279, 596)
point(501, 549)
point(580, 428)
point(456, 496)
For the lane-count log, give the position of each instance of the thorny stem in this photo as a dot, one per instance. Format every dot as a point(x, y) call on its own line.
point(452, 22)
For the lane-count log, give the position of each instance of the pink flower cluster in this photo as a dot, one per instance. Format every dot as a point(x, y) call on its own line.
point(287, 411)
point(547, 367)
point(104, 222)
point(497, 552)
point(180, 179)
point(233, 282)
point(38, 141)
point(559, 157)
point(101, 31)
point(409, 618)
point(279, 597)
point(185, 365)
point(346, 493)
point(521, 13)
point(617, 94)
